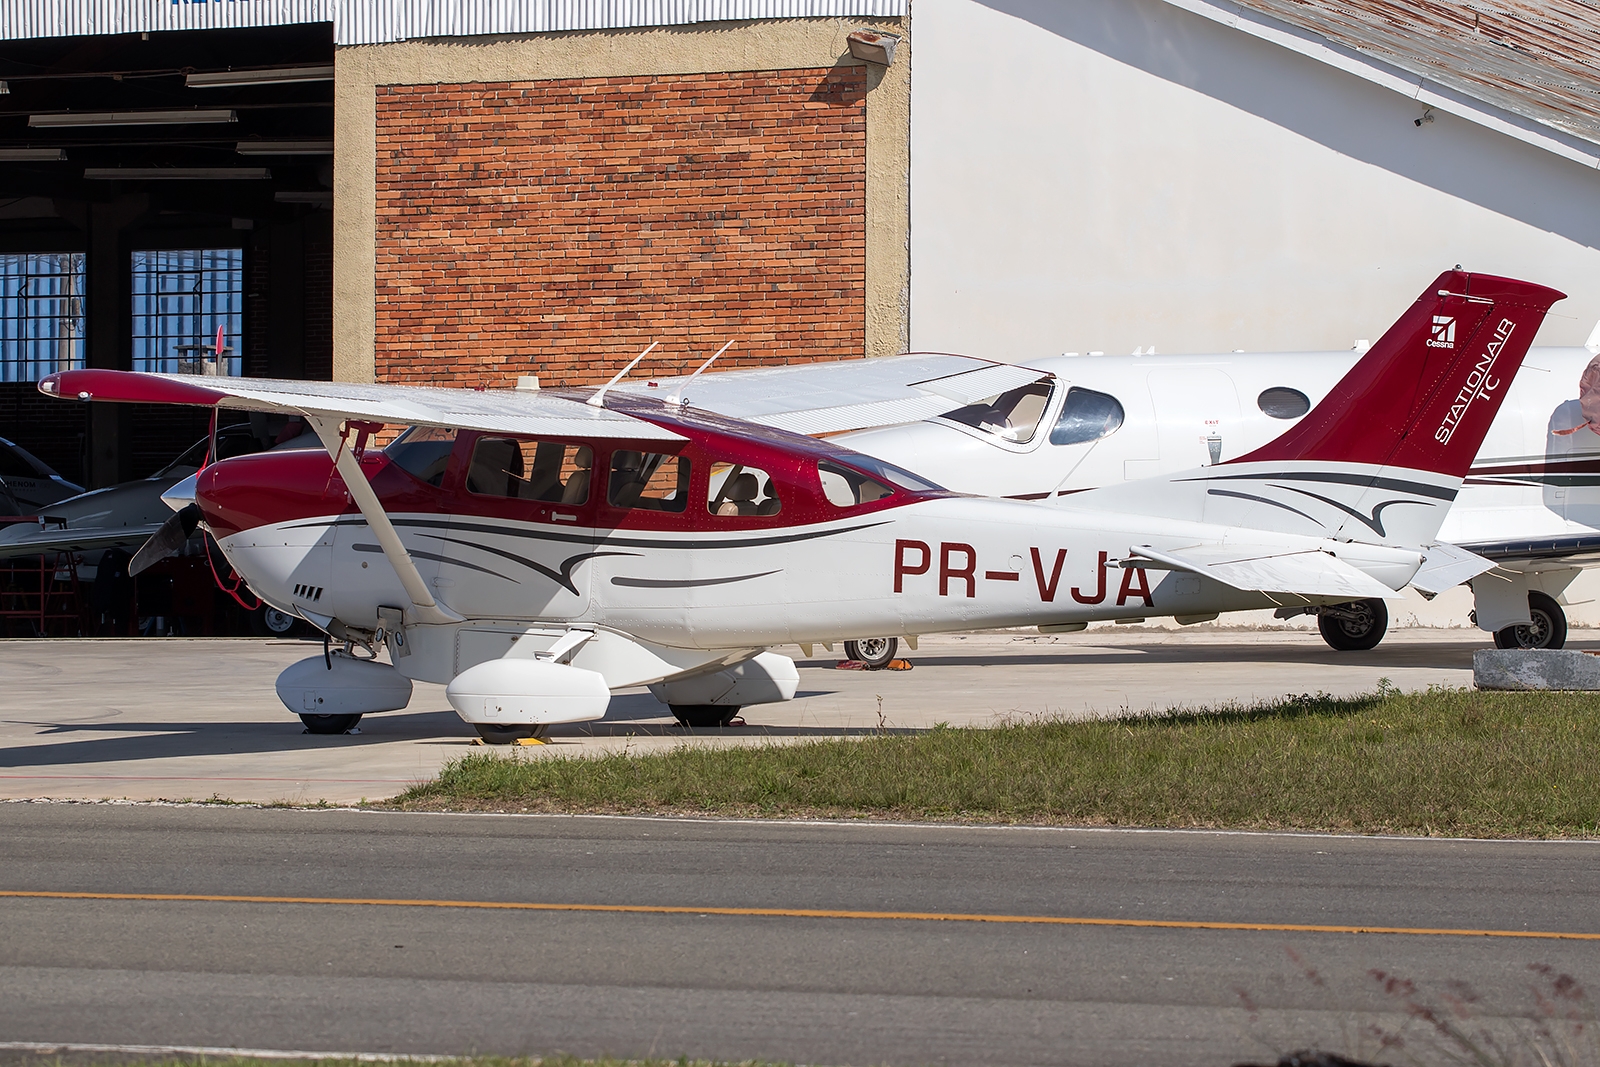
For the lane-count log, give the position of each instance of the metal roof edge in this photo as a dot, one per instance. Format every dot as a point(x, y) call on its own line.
point(1428, 93)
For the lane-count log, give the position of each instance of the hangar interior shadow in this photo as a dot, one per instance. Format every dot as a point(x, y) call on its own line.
point(1313, 100)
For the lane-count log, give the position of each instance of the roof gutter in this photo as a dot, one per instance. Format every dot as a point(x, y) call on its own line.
point(1425, 92)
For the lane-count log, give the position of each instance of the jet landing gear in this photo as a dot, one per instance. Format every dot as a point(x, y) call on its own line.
point(1548, 629)
point(1353, 627)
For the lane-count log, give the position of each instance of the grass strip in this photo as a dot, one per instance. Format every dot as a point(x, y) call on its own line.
point(1445, 762)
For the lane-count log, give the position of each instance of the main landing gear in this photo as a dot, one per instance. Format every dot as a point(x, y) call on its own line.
point(1354, 627)
point(330, 724)
point(1548, 629)
point(496, 734)
point(876, 652)
point(703, 716)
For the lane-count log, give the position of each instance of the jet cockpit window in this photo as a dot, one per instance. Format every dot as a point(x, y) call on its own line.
point(1086, 416)
point(1012, 415)
point(1281, 402)
point(554, 472)
point(649, 481)
point(846, 488)
point(423, 452)
point(736, 490)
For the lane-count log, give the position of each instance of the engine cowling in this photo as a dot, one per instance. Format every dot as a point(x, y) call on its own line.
point(528, 691)
point(768, 678)
point(342, 685)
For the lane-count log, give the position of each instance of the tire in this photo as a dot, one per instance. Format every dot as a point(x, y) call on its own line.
point(875, 652)
point(703, 716)
point(1549, 628)
point(1358, 627)
point(495, 734)
point(268, 621)
point(329, 724)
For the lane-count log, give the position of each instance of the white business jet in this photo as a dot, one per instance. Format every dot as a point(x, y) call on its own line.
point(536, 551)
point(1060, 425)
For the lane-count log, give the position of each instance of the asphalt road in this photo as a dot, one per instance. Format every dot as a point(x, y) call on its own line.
point(816, 989)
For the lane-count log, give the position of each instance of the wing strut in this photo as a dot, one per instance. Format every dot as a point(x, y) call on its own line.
point(331, 429)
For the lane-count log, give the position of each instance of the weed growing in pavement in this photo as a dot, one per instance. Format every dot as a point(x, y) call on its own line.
point(1445, 762)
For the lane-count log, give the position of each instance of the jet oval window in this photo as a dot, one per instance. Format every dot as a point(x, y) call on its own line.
point(1281, 402)
point(1086, 416)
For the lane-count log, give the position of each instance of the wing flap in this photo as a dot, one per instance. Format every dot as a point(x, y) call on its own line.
point(1445, 566)
point(1264, 569)
point(499, 411)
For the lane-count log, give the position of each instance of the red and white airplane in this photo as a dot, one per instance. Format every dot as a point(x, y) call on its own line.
point(536, 550)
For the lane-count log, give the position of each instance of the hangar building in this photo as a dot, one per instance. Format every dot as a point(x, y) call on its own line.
point(468, 190)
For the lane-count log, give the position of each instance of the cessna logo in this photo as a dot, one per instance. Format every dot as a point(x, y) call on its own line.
point(1444, 332)
point(1478, 383)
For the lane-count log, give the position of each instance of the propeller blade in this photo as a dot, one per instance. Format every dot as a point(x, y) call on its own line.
point(167, 540)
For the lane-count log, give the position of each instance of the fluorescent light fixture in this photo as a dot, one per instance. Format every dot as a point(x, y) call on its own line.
point(22, 155)
point(319, 199)
point(227, 79)
point(5, 87)
point(130, 118)
point(208, 174)
point(286, 148)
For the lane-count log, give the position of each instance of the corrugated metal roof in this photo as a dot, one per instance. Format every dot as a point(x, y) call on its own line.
point(375, 21)
point(1539, 59)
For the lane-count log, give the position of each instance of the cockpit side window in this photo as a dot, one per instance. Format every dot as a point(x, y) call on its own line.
point(423, 452)
point(648, 481)
point(736, 491)
point(1086, 416)
point(846, 488)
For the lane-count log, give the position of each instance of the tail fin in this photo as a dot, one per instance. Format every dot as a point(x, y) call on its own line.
point(1423, 397)
point(1384, 454)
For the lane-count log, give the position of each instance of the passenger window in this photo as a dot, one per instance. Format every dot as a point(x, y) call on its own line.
point(846, 488)
point(423, 452)
point(1086, 416)
point(553, 472)
point(648, 481)
point(1013, 414)
point(1281, 402)
point(737, 490)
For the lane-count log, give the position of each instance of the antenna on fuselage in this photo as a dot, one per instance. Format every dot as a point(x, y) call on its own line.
point(599, 398)
point(677, 397)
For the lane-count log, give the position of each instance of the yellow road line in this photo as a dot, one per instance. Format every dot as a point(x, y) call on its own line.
point(810, 913)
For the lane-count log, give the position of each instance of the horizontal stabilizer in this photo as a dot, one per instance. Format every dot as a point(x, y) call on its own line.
point(1265, 569)
point(1445, 566)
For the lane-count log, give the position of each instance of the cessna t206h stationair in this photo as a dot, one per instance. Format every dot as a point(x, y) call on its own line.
point(535, 551)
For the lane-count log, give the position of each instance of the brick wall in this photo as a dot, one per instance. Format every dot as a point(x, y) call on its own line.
point(558, 227)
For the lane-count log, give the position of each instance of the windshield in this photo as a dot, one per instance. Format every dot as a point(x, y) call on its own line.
point(1012, 415)
point(892, 474)
point(423, 452)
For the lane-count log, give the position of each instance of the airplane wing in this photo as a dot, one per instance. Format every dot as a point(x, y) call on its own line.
point(31, 539)
point(503, 411)
point(855, 394)
point(1266, 569)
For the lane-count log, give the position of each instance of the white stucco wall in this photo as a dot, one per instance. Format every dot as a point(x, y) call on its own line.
point(1105, 174)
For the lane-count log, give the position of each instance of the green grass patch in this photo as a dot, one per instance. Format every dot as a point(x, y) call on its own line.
point(1445, 762)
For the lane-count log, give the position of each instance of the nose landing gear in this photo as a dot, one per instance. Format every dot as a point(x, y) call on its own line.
point(1547, 630)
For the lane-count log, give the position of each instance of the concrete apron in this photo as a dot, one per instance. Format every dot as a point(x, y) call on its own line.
point(196, 719)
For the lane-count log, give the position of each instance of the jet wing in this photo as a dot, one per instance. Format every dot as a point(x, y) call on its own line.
point(855, 394)
point(31, 539)
point(500, 411)
point(1266, 569)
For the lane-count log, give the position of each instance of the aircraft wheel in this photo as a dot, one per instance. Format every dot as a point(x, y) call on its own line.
point(875, 652)
point(329, 724)
point(703, 716)
point(268, 621)
point(496, 734)
point(1357, 627)
point(1548, 630)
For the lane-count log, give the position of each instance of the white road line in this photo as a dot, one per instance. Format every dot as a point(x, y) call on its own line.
point(56, 1047)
